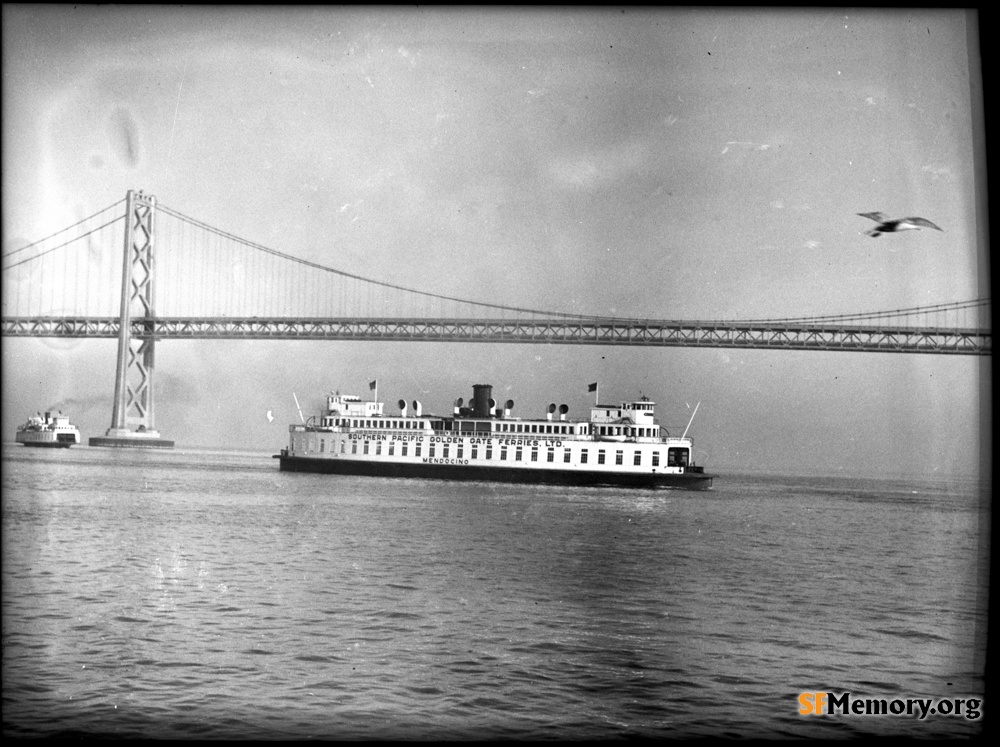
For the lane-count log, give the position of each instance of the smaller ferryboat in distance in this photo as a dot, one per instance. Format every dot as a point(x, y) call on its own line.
point(52, 431)
point(621, 444)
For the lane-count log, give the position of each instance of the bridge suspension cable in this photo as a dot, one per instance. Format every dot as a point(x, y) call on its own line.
point(370, 281)
point(64, 230)
point(976, 303)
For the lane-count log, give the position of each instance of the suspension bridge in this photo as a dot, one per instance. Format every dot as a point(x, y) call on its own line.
point(177, 277)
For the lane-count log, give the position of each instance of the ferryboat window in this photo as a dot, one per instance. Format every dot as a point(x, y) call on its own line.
point(416, 450)
point(403, 449)
point(637, 458)
point(475, 452)
point(430, 452)
point(677, 457)
point(551, 455)
point(458, 452)
point(322, 445)
point(444, 451)
point(566, 455)
point(354, 447)
point(503, 453)
point(392, 448)
point(534, 455)
point(656, 459)
point(583, 456)
point(517, 454)
point(600, 456)
point(342, 447)
point(489, 452)
point(378, 448)
point(366, 446)
point(619, 457)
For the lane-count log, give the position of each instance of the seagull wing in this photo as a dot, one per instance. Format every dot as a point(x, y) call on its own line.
point(923, 222)
point(877, 217)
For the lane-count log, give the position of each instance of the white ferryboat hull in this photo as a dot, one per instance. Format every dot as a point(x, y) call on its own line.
point(618, 445)
point(443, 469)
point(49, 439)
point(489, 458)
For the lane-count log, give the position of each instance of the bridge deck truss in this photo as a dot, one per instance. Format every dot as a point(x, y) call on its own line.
point(774, 336)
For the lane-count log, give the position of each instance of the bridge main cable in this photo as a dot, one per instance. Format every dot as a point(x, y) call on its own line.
point(380, 283)
point(64, 230)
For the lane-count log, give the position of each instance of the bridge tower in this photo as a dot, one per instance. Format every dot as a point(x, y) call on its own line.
point(132, 416)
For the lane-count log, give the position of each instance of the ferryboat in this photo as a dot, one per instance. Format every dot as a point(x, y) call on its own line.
point(48, 430)
point(621, 444)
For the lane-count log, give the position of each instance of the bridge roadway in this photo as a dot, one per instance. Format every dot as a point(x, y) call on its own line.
point(580, 331)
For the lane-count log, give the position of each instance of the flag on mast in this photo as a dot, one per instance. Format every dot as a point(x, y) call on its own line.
point(593, 388)
point(373, 386)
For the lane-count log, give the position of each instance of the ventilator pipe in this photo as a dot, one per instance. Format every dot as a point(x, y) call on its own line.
point(563, 409)
point(402, 408)
point(417, 409)
point(550, 411)
point(508, 406)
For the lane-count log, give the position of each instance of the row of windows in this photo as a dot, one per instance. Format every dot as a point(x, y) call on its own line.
point(676, 457)
point(442, 425)
point(391, 424)
point(498, 427)
point(618, 430)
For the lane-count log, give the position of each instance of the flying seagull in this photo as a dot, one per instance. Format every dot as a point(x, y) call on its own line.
point(885, 225)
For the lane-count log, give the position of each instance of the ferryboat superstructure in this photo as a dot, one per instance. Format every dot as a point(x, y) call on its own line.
point(48, 430)
point(618, 445)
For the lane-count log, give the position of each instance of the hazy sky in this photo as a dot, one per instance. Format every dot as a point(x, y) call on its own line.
point(653, 163)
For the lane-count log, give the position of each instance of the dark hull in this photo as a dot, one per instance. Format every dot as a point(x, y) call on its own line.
point(131, 443)
point(48, 444)
point(685, 481)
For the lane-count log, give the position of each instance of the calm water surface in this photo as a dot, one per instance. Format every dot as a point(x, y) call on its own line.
point(197, 594)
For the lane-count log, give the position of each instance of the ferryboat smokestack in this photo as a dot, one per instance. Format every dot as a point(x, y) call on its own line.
point(402, 408)
point(482, 401)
